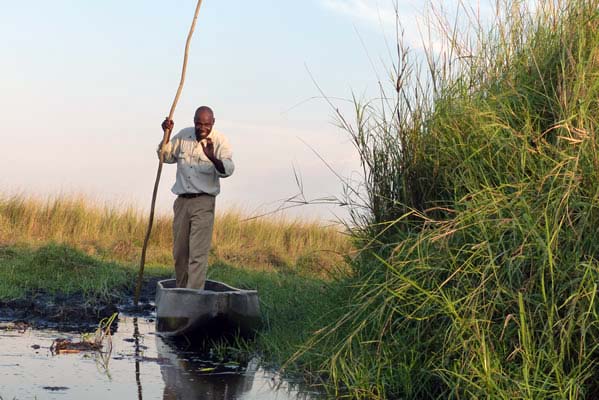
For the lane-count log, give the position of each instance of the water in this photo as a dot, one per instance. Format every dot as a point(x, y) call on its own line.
point(141, 365)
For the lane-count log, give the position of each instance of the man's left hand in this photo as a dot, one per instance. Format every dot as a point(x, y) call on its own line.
point(208, 148)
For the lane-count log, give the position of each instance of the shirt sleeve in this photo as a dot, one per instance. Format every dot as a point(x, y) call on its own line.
point(170, 151)
point(229, 168)
point(226, 156)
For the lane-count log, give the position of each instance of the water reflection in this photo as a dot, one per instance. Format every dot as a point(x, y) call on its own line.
point(136, 336)
point(191, 378)
point(191, 374)
point(142, 365)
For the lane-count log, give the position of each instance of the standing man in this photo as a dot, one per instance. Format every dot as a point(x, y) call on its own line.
point(203, 156)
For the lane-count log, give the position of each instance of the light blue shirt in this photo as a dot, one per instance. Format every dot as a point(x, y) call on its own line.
point(195, 172)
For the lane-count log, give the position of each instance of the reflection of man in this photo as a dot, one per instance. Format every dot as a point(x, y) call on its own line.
point(184, 380)
point(203, 156)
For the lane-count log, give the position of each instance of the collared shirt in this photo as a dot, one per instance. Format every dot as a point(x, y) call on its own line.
point(195, 172)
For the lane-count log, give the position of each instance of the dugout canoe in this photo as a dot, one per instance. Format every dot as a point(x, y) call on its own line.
point(216, 310)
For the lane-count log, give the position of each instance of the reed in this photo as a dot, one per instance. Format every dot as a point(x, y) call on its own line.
point(478, 268)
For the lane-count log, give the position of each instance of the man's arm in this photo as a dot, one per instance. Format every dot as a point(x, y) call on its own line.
point(224, 171)
point(168, 150)
point(218, 164)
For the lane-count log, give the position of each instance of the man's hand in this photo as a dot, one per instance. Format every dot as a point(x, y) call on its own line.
point(208, 148)
point(168, 124)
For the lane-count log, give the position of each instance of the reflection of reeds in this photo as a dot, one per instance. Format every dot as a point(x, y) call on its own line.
point(479, 271)
point(117, 233)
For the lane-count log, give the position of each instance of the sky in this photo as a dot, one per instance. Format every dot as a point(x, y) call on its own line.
point(85, 85)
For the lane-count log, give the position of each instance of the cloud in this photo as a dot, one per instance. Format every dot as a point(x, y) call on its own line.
point(381, 15)
point(369, 11)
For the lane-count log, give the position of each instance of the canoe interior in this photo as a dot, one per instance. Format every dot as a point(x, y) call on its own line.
point(216, 310)
point(212, 286)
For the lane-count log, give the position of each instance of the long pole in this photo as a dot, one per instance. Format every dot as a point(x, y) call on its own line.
point(165, 139)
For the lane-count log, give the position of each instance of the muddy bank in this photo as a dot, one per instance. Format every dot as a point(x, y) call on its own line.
point(76, 312)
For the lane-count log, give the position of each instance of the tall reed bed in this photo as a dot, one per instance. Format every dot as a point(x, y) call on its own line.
point(116, 233)
point(479, 262)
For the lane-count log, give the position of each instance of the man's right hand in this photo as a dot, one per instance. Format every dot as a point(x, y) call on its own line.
point(168, 124)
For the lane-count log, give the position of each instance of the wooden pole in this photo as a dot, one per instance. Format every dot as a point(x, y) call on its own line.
point(165, 140)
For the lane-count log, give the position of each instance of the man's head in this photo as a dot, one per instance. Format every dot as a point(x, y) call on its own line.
point(203, 121)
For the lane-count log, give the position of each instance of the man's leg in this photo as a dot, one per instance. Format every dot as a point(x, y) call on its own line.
point(181, 222)
point(200, 237)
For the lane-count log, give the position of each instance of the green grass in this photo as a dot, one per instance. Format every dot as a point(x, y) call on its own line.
point(57, 269)
point(479, 262)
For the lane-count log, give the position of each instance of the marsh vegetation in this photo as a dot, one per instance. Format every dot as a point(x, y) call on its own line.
point(478, 270)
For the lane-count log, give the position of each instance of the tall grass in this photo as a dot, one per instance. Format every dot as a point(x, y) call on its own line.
point(116, 233)
point(479, 265)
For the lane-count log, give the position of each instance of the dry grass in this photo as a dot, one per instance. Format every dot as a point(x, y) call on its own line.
point(116, 233)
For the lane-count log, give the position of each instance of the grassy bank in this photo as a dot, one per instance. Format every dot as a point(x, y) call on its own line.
point(479, 271)
point(57, 269)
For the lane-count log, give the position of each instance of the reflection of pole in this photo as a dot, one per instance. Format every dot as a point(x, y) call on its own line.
point(137, 353)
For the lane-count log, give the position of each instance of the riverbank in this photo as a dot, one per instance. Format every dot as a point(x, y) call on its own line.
point(58, 286)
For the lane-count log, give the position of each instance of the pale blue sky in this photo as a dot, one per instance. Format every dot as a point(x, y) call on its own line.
point(85, 85)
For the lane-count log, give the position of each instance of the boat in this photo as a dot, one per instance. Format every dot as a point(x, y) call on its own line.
point(216, 310)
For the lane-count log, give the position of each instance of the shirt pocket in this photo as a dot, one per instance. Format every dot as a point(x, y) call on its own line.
point(183, 157)
point(205, 167)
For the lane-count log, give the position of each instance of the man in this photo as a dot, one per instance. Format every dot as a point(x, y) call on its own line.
point(203, 156)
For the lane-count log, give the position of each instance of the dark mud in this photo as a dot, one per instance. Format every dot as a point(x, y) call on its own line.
point(76, 311)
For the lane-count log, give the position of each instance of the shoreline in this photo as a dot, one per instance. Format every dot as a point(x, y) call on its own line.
point(74, 312)
point(62, 288)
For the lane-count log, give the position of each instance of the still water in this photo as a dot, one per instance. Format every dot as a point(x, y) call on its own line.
point(141, 365)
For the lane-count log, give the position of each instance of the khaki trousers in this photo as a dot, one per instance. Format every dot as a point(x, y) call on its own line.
point(192, 234)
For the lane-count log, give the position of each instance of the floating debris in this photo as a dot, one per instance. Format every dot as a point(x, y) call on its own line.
point(90, 342)
point(66, 346)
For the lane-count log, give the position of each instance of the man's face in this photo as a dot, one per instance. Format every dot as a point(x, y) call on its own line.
point(203, 122)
